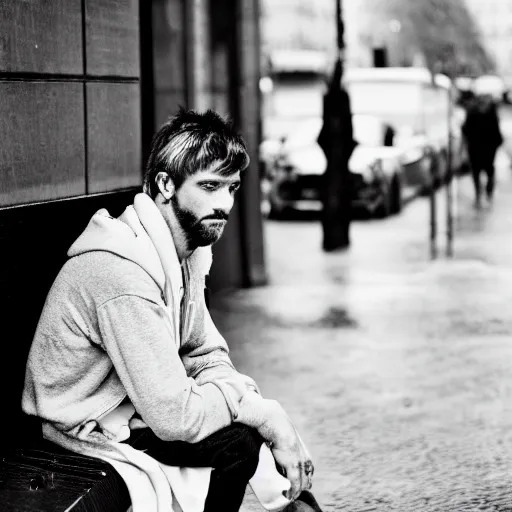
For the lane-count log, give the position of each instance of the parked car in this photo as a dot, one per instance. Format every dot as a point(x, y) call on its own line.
point(420, 107)
point(295, 174)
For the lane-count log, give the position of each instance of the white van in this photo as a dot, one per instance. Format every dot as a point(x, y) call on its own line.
point(417, 105)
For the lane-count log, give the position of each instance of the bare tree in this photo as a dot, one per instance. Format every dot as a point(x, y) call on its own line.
point(445, 32)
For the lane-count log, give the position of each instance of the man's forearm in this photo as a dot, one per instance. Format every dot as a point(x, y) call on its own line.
point(253, 410)
point(262, 414)
point(269, 419)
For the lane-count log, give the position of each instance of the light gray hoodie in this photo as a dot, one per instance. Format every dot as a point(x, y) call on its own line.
point(112, 331)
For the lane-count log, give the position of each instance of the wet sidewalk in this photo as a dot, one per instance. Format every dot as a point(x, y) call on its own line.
point(396, 369)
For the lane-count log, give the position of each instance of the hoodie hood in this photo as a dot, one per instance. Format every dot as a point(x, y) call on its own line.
point(124, 237)
point(141, 235)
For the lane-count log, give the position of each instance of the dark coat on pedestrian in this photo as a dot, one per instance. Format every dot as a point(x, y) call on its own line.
point(482, 129)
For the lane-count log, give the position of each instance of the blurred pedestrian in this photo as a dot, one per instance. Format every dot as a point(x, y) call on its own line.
point(483, 136)
point(337, 143)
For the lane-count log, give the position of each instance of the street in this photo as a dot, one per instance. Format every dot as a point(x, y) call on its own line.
point(396, 369)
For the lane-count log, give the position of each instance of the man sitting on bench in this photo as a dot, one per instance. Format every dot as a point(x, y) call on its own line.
point(126, 363)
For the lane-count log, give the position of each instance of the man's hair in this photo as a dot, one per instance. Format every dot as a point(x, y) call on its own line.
point(190, 142)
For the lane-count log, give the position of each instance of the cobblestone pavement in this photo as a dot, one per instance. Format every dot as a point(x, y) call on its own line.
point(397, 370)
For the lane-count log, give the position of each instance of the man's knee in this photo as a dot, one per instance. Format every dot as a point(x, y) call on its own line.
point(247, 439)
point(245, 446)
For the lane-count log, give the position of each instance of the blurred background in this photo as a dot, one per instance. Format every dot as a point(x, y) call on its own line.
point(410, 67)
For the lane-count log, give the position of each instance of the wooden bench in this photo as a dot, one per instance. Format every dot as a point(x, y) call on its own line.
point(36, 475)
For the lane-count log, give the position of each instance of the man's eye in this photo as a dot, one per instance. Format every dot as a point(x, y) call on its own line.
point(234, 188)
point(209, 186)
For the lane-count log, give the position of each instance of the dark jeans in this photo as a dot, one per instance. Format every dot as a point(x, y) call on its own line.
point(233, 452)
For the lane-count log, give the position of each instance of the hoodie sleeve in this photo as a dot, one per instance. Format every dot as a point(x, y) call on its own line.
point(209, 362)
point(138, 337)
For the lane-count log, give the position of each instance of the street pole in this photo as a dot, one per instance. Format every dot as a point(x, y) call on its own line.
point(450, 182)
point(337, 143)
point(433, 214)
point(340, 30)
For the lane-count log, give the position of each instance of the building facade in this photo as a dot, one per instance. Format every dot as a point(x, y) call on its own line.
point(84, 84)
point(311, 26)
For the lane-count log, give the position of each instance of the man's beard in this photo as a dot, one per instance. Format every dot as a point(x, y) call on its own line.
point(198, 233)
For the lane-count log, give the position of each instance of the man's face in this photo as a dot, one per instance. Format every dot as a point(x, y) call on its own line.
point(202, 205)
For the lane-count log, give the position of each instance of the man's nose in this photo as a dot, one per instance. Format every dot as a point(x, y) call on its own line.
point(225, 201)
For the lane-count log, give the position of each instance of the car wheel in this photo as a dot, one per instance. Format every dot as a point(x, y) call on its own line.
point(384, 209)
point(273, 213)
point(276, 211)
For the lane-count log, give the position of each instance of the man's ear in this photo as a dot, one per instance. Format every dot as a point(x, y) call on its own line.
point(165, 185)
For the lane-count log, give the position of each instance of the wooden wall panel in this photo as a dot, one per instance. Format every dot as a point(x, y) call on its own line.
point(198, 44)
point(228, 269)
point(42, 152)
point(114, 136)
point(247, 65)
point(221, 102)
point(41, 36)
point(112, 38)
point(169, 45)
point(166, 105)
point(169, 71)
point(239, 256)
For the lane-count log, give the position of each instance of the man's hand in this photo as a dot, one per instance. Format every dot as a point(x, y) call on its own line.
point(289, 452)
